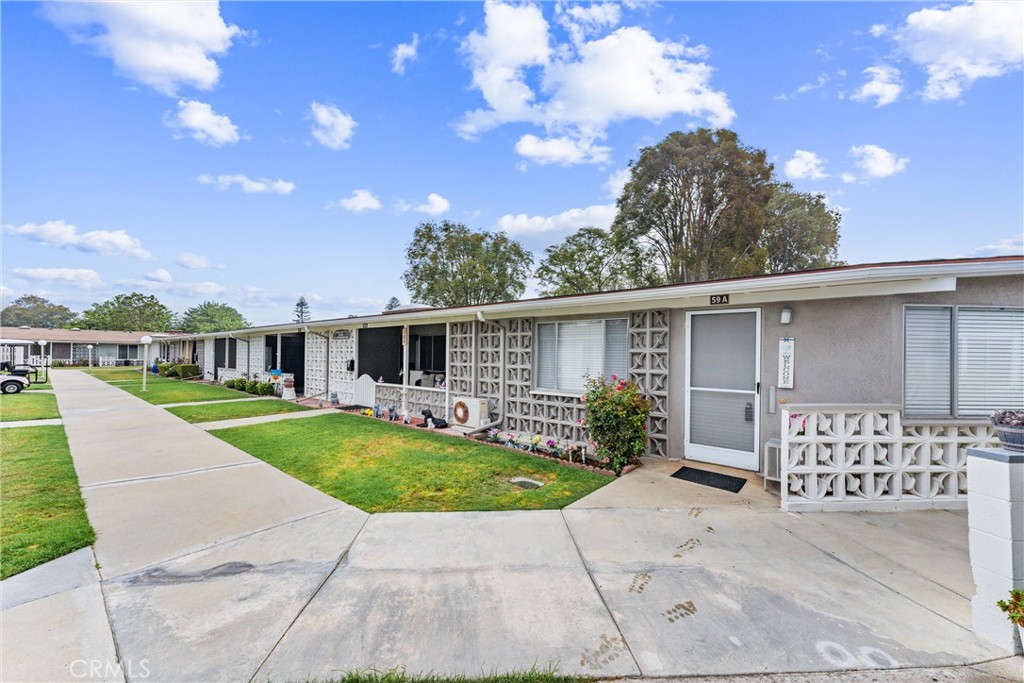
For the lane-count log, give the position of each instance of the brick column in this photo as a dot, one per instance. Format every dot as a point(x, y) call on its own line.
point(995, 505)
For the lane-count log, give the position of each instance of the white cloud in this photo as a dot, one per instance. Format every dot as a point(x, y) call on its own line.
point(848, 178)
point(598, 216)
point(561, 150)
point(247, 184)
point(581, 21)
point(821, 81)
point(332, 127)
point(616, 182)
point(360, 201)
point(190, 259)
point(159, 275)
point(1011, 246)
point(878, 30)
point(877, 162)
point(404, 52)
point(584, 85)
point(203, 123)
point(883, 84)
point(805, 165)
point(61, 234)
point(77, 277)
point(435, 206)
point(162, 44)
point(958, 45)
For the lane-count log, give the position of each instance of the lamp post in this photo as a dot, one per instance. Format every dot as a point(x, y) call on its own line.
point(89, 346)
point(42, 358)
point(146, 341)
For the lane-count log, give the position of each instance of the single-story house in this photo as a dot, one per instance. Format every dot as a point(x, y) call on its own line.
point(21, 345)
point(856, 387)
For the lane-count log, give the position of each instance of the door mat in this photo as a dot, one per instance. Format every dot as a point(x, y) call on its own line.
point(716, 480)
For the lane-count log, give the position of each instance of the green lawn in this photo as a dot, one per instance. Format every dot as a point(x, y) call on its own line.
point(231, 411)
point(38, 387)
point(43, 513)
point(380, 467)
point(178, 391)
point(27, 406)
point(107, 374)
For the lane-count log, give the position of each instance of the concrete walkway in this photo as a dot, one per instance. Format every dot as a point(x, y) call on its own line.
point(215, 566)
point(225, 400)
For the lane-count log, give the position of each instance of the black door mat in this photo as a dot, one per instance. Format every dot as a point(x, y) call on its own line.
point(716, 480)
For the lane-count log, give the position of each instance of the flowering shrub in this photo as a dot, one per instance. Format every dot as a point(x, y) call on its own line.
point(616, 420)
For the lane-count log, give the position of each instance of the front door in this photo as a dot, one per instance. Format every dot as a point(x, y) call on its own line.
point(722, 387)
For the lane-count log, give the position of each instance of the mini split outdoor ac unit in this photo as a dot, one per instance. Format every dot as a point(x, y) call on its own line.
point(469, 412)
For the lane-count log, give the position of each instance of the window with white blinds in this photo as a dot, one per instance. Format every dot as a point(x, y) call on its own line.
point(569, 352)
point(962, 361)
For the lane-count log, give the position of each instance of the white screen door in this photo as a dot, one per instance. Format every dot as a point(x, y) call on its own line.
point(722, 391)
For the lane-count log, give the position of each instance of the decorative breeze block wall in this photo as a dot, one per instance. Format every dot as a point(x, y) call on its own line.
point(554, 415)
point(342, 380)
point(316, 361)
point(859, 458)
point(648, 368)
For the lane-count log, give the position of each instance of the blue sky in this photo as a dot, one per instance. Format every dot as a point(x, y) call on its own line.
point(252, 152)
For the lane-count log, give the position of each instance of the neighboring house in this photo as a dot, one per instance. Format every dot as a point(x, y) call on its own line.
point(21, 345)
point(888, 369)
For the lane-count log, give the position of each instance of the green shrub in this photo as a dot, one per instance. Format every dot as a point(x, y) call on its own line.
point(185, 371)
point(265, 389)
point(251, 386)
point(164, 369)
point(617, 420)
point(229, 384)
point(57, 364)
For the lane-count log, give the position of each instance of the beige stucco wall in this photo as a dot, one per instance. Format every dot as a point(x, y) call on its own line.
point(846, 350)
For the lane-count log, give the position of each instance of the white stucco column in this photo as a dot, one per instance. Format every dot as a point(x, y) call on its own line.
point(995, 508)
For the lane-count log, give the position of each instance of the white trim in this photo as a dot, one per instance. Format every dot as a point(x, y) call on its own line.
point(878, 280)
point(712, 454)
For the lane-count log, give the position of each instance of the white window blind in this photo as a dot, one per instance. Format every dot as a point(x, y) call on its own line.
point(546, 355)
point(981, 372)
point(569, 352)
point(990, 360)
point(928, 361)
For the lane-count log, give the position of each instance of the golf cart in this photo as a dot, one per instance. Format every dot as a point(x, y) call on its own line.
point(17, 377)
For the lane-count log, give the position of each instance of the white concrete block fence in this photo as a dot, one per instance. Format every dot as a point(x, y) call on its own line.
point(866, 457)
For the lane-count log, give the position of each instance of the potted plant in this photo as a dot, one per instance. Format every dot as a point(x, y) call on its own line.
point(1009, 425)
point(1014, 608)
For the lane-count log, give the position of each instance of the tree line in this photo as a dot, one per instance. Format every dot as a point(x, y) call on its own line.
point(134, 312)
point(697, 206)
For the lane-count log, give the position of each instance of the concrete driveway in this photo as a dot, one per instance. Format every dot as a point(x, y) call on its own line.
point(215, 566)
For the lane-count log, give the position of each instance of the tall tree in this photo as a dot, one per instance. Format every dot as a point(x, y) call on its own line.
point(301, 311)
point(35, 311)
point(588, 261)
point(392, 304)
point(133, 312)
point(696, 203)
point(211, 316)
point(451, 265)
point(802, 232)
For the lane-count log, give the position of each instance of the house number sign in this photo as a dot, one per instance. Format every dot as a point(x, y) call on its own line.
point(786, 354)
point(719, 299)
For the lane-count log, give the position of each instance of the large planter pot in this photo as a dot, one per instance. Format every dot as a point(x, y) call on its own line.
point(1011, 438)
